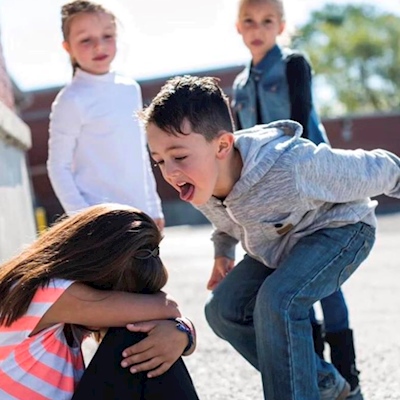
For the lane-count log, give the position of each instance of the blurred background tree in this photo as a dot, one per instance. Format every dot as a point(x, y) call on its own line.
point(355, 54)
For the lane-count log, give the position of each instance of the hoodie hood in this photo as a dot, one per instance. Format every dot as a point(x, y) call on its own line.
point(260, 147)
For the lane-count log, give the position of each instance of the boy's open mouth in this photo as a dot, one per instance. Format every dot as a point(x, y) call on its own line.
point(186, 191)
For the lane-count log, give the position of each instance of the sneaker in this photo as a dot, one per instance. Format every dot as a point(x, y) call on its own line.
point(339, 391)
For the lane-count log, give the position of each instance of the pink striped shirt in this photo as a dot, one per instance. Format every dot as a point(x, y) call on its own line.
point(43, 366)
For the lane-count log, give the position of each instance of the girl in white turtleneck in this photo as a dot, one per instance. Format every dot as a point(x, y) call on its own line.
point(97, 147)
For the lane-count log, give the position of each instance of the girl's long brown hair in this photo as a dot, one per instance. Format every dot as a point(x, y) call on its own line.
point(102, 246)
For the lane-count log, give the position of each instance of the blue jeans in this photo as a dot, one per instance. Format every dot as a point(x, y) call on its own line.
point(335, 312)
point(264, 313)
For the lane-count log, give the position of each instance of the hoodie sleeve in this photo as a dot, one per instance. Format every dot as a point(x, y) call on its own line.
point(224, 244)
point(340, 176)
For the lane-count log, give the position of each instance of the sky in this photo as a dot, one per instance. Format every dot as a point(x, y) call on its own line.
point(156, 37)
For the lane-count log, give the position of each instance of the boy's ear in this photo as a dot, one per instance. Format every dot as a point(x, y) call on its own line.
point(66, 47)
point(225, 144)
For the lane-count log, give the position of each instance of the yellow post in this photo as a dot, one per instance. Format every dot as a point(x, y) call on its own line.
point(41, 220)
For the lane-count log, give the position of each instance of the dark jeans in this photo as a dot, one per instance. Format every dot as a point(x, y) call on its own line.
point(105, 379)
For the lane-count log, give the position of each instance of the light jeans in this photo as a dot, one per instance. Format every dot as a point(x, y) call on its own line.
point(264, 313)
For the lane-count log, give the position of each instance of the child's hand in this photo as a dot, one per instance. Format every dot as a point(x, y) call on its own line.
point(160, 222)
point(222, 266)
point(156, 353)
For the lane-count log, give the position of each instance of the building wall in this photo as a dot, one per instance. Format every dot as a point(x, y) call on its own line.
point(347, 132)
point(6, 93)
point(368, 132)
point(17, 224)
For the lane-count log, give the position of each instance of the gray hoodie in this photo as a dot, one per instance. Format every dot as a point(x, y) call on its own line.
point(290, 188)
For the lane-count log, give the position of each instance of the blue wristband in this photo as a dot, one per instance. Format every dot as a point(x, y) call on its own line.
point(183, 327)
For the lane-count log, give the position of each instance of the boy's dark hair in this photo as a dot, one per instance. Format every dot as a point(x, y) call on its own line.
point(198, 100)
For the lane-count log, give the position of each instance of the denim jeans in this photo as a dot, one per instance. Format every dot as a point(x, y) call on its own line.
point(335, 312)
point(264, 313)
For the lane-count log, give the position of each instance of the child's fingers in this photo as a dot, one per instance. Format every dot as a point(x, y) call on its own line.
point(137, 358)
point(149, 365)
point(164, 367)
point(138, 348)
point(216, 277)
point(146, 326)
point(226, 267)
point(213, 282)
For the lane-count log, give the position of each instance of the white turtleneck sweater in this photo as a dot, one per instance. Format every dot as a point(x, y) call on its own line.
point(97, 146)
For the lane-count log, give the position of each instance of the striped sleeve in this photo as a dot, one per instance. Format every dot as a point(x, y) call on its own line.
point(18, 331)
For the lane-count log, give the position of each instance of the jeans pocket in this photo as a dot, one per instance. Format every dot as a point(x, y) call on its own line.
point(359, 257)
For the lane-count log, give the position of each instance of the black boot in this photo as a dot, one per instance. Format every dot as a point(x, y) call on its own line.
point(343, 356)
point(318, 338)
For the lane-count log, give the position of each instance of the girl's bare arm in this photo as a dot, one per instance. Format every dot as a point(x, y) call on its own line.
point(83, 305)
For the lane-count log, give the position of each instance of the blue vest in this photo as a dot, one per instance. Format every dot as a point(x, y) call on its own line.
point(273, 94)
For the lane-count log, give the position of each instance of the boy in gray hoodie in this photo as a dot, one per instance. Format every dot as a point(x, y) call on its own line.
point(301, 212)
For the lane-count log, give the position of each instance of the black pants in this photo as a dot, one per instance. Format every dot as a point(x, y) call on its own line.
point(105, 379)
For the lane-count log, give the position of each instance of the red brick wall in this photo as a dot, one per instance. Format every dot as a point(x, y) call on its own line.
point(368, 132)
